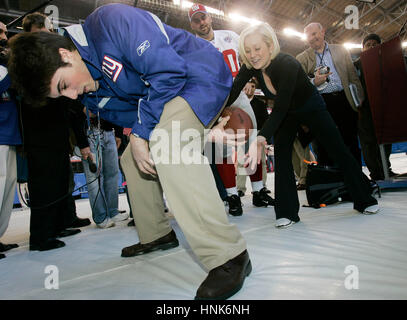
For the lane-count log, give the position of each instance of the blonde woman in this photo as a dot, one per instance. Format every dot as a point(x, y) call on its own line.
point(297, 102)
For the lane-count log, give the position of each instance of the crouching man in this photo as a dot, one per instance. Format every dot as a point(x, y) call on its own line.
point(137, 72)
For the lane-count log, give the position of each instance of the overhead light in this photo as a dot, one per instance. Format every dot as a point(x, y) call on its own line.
point(234, 16)
point(238, 18)
point(349, 45)
point(215, 11)
point(291, 32)
point(188, 4)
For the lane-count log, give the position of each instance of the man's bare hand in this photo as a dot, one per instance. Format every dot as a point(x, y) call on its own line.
point(86, 153)
point(320, 78)
point(141, 154)
point(118, 142)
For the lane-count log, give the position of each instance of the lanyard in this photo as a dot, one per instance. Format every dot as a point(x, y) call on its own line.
point(322, 58)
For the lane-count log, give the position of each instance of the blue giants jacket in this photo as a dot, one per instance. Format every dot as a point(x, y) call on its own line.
point(141, 64)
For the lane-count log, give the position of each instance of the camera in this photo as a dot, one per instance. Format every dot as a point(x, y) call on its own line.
point(324, 70)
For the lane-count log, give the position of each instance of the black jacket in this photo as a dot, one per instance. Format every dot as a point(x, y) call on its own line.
point(48, 126)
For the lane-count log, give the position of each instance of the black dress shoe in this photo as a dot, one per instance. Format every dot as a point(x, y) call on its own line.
point(131, 223)
point(164, 243)
point(6, 247)
point(235, 205)
point(47, 245)
point(262, 199)
point(225, 280)
point(80, 222)
point(68, 232)
point(240, 193)
point(2, 256)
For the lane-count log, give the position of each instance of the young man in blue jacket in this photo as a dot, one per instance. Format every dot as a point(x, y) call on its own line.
point(138, 72)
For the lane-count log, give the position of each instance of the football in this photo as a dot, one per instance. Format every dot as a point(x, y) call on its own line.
point(239, 120)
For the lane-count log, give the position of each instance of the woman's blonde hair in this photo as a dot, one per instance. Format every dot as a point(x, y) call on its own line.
point(269, 36)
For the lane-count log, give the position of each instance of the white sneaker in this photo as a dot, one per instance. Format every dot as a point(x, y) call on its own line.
point(120, 217)
point(372, 209)
point(283, 223)
point(107, 223)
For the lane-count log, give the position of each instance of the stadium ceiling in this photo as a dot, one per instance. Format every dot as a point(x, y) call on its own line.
point(384, 17)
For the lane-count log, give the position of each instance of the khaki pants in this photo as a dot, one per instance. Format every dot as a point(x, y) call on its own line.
point(190, 191)
point(8, 180)
point(300, 167)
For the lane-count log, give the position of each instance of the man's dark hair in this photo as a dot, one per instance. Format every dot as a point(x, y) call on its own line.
point(34, 59)
point(372, 36)
point(34, 19)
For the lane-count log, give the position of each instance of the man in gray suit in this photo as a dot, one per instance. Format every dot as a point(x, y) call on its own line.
point(333, 84)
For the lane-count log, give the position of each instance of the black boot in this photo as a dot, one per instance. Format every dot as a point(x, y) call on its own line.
point(235, 205)
point(262, 199)
point(224, 281)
